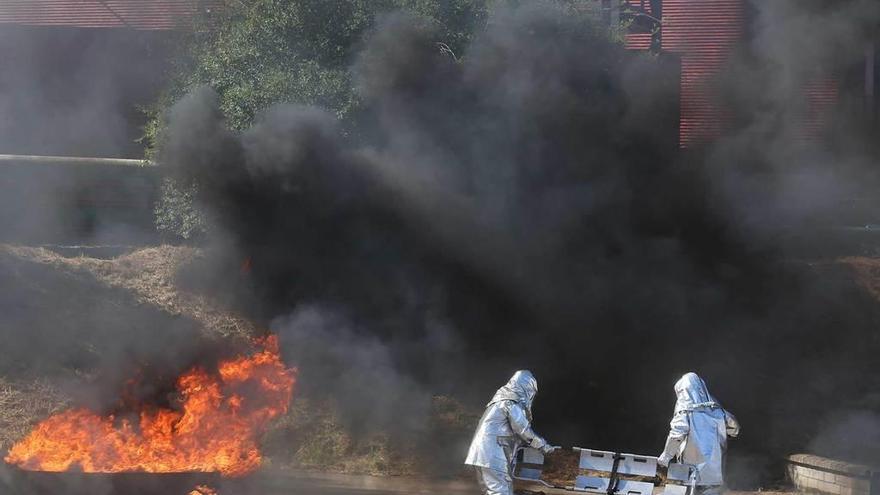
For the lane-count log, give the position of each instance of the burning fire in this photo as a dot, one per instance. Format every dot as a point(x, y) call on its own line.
point(222, 415)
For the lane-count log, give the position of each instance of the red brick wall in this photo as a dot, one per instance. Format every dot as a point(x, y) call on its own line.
point(702, 32)
point(137, 14)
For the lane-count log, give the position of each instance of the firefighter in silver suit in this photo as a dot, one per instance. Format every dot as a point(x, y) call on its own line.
point(503, 429)
point(698, 433)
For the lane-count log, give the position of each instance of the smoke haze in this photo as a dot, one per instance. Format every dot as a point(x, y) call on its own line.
point(525, 205)
point(68, 91)
point(526, 195)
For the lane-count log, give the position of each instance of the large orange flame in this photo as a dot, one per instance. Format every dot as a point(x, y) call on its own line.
point(223, 413)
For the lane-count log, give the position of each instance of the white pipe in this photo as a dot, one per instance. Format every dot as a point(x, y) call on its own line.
point(73, 160)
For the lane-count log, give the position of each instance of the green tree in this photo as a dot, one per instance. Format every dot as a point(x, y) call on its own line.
point(261, 52)
point(256, 53)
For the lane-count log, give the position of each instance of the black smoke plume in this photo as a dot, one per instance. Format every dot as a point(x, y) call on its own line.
point(67, 91)
point(528, 199)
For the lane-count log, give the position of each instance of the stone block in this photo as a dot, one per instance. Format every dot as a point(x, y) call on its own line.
point(859, 485)
point(826, 487)
point(831, 464)
point(808, 483)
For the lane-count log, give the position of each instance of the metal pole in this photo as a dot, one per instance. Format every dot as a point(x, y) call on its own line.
point(72, 160)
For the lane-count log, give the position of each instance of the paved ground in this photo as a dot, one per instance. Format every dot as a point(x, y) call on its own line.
point(328, 484)
point(322, 484)
point(16, 482)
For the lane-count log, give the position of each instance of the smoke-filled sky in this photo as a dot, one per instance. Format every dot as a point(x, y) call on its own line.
point(76, 92)
point(521, 208)
point(71, 91)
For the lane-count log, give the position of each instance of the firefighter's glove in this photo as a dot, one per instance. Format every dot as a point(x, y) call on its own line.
point(664, 459)
point(538, 443)
point(549, 449)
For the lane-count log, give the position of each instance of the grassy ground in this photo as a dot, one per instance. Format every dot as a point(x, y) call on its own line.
point(72, 308)
point(22, 404)
point(64, 318)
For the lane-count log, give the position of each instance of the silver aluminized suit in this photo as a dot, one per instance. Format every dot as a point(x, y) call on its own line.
point(698, 432)
point(503, 429)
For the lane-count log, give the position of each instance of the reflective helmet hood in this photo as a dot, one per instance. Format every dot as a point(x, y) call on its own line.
point(691, 393)
point(522, 387)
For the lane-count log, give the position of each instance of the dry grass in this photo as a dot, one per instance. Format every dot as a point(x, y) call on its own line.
point(310, 436)
point(144, 278)
point(22, 405)
point(866, 272)
point(149, 274)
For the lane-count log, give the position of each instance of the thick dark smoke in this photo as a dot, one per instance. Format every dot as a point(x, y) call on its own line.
point(528, 198)
point(367, 385)
point(801, 189)
point(851, 435)
point(793, 172)
point(75, 92)
point(71, 91)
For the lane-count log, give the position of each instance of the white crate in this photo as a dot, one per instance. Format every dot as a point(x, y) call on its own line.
point(595, 484)
point(596, 460)
point(591, 484)
point(681, 473)
point(637, 465)
point(675, 489)
point(529, 474)
point(627, 487)
point(532, 456)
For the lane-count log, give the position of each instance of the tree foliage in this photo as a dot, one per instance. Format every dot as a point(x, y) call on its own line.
point(256, 53)
point(261, 52)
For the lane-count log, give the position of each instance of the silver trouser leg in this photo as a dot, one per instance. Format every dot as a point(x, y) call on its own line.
point(494, 482)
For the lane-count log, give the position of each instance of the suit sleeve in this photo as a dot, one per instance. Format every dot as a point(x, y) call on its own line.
point(519, 422)
point(731, 424)
point(678, 432)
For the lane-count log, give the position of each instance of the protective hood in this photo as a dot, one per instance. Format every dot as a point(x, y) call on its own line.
point(506, 426)
point(522, 387)
point(691, 393)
